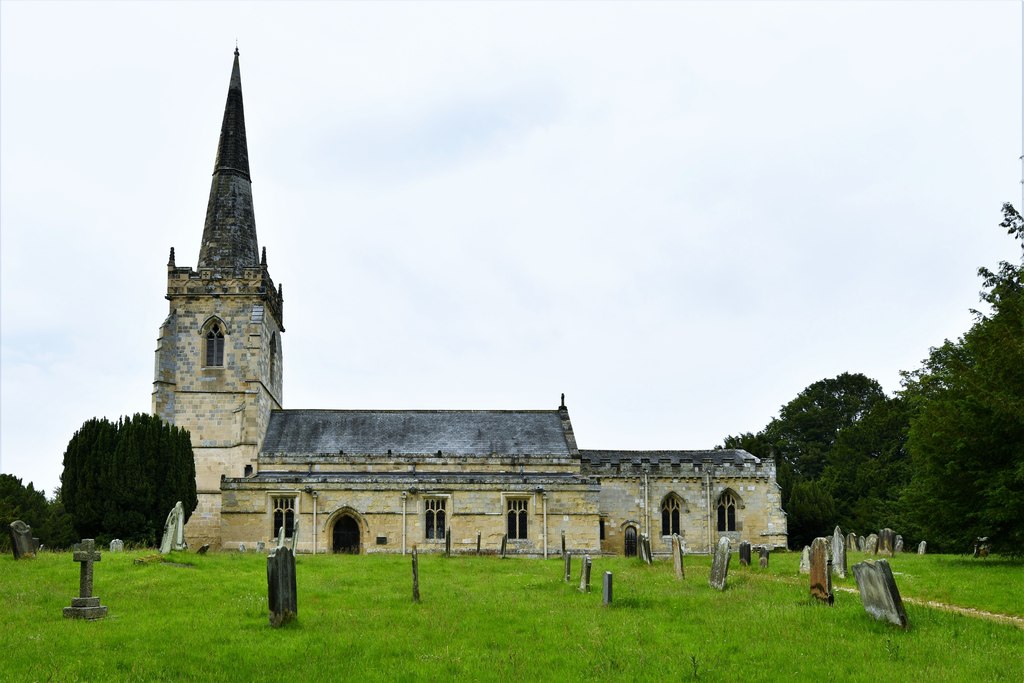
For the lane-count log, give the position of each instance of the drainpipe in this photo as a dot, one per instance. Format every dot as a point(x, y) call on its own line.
point(404, 502)
point(315, 530)
point(647, 506)
point(544, 500)
point(707, 493)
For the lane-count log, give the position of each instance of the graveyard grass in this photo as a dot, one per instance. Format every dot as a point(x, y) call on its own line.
point(205, 618)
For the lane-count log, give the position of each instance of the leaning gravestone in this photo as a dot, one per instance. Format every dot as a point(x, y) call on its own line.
point(281, 592)
point(922, 547)
point(886, 541)
point(720, 565)
point(295, 535)
point(898, 545)
point(805, 560)
point(174, 530)
point(203, 549)
point(117, 546)
point(879, 593)
point(871, 544)
point(851, 542)
point(744, 553)
point(85, 606)
point(763, 551)
point(677, 556)
point(585, 575)
point(22, 543)
point(280, 537)
point(821, 572)
point(838, 553)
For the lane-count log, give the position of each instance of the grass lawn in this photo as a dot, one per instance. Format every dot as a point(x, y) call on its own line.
point(491, 619)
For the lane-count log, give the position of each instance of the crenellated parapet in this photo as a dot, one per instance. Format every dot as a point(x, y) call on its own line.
point(186, 282)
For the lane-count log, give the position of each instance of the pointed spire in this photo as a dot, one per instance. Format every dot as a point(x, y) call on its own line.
point(229, 237)
point(170, 261)
point(263, 259)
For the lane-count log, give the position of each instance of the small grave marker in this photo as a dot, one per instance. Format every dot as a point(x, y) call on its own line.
point(22, 543)
point(922, 547)
point(886, 541)
point(282, 595)
point(805, 560)
point(203, 549)
point(478, 543)
point(585, 574)
point(898, 545)
point(117, 546)
point(415, 575)
point(568, 567)
point(744, 553)
point(607, 588)
point(677, 557)
point(838, 553)
point(871, 544)
point(821, 571)
point(720, 565)
point(851, 542)
point(763, 553)
point(504, 545)
point(241, 547)
point(563, 541)
point(85, 606)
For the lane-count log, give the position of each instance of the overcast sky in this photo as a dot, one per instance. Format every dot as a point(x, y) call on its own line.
point(679, 214)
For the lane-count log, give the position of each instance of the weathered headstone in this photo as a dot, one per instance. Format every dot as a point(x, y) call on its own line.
point(174, 530)
point(720, 565)
point(295, 535)
point(415, 575)
point(607, 588)
point(22, 544)
point(203, 549)
point(898, 545)
point(677, 556)
point(241, 547)
point(862, 544)
point(645, 549)
point(282, 595)
point(280, 537)
point(744, 553)
point(821, 574)
point(763, 552)
point(871, 544)
point(878, 592)
point(260, 546)
point(117, 546)
point(448, 542)
point(585, 574)
point(563, 541)
point(886, 541)
point(838, 553)
point(851, 542)
point(805, 560)
point(85, 606)
point(922, 547)
point(504, 544)
point(568, 567)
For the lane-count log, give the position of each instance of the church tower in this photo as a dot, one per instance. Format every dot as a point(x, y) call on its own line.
point(218, 357)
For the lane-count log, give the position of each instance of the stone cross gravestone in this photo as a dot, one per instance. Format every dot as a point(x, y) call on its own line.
point(838, 553)
point(886, 541)
point(878, 592)
point(720, 565)
point(117, 546)
point(744, 553)
point(607, 589)
point(821, 573)
point(871, 544)
point(677, 556)
point(763, 552)
point(898, 545)
point(585, 574)
point(805, 560)
point(922, 547)
point(415, 575)
point(22, 543)
point(282, 595)
point(174, 530)
point(851, 542)
point(568, 567)
point(85, 606)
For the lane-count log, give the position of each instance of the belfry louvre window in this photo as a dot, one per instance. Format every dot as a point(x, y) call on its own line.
point(670, 516)
point(517, 528)
point(215, 347)
point(727, 512)
point(284, 515)
point(435, 518)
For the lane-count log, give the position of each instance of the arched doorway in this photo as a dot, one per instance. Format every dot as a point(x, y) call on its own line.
point(346, 535)
point(630, 541)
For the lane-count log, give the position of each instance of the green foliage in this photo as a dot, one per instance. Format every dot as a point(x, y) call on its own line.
point(120, 480)
point(812, 512)
point(47, 519)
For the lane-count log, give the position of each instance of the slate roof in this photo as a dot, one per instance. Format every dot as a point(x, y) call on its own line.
point(726, 456)
point(417, 432)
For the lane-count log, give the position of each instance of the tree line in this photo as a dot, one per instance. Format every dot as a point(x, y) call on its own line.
point(941, 460)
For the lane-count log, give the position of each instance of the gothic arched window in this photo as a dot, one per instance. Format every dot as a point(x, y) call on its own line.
point(670, 511)
point(215, 347)
point(727, 512)
point(435, 518)
point(517, 518)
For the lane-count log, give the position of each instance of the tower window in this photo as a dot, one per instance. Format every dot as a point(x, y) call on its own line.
point(215, 347)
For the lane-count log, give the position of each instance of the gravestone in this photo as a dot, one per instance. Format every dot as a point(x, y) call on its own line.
point(645, 549)
point(862, 543)
point(280, 538)
point(448, 542)
point(720, 565)
point(838, 553)
point(585, 575)
point(22, 543)
point(744, 553)
point(295, 535)
point(886, 541)
point(607, 589)
point(260, 546)
point(805, 560)
point(871, 544)
point(203, 549)
point(563, 541)
point(282, 595)
point(677, 556)
point(85, 606)
point(568, 567)
point(504, 544)
point(478, 543)
point(821, 572)
point(878, 592)
point(241, 547)
point(415, 575)
point(922, 547)
point(898, 545)
point(174, 530)
point(763, 551)
point(117, 546)
point(851, 542)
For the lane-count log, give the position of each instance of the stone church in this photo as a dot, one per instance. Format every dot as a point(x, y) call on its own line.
point(365, 481)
